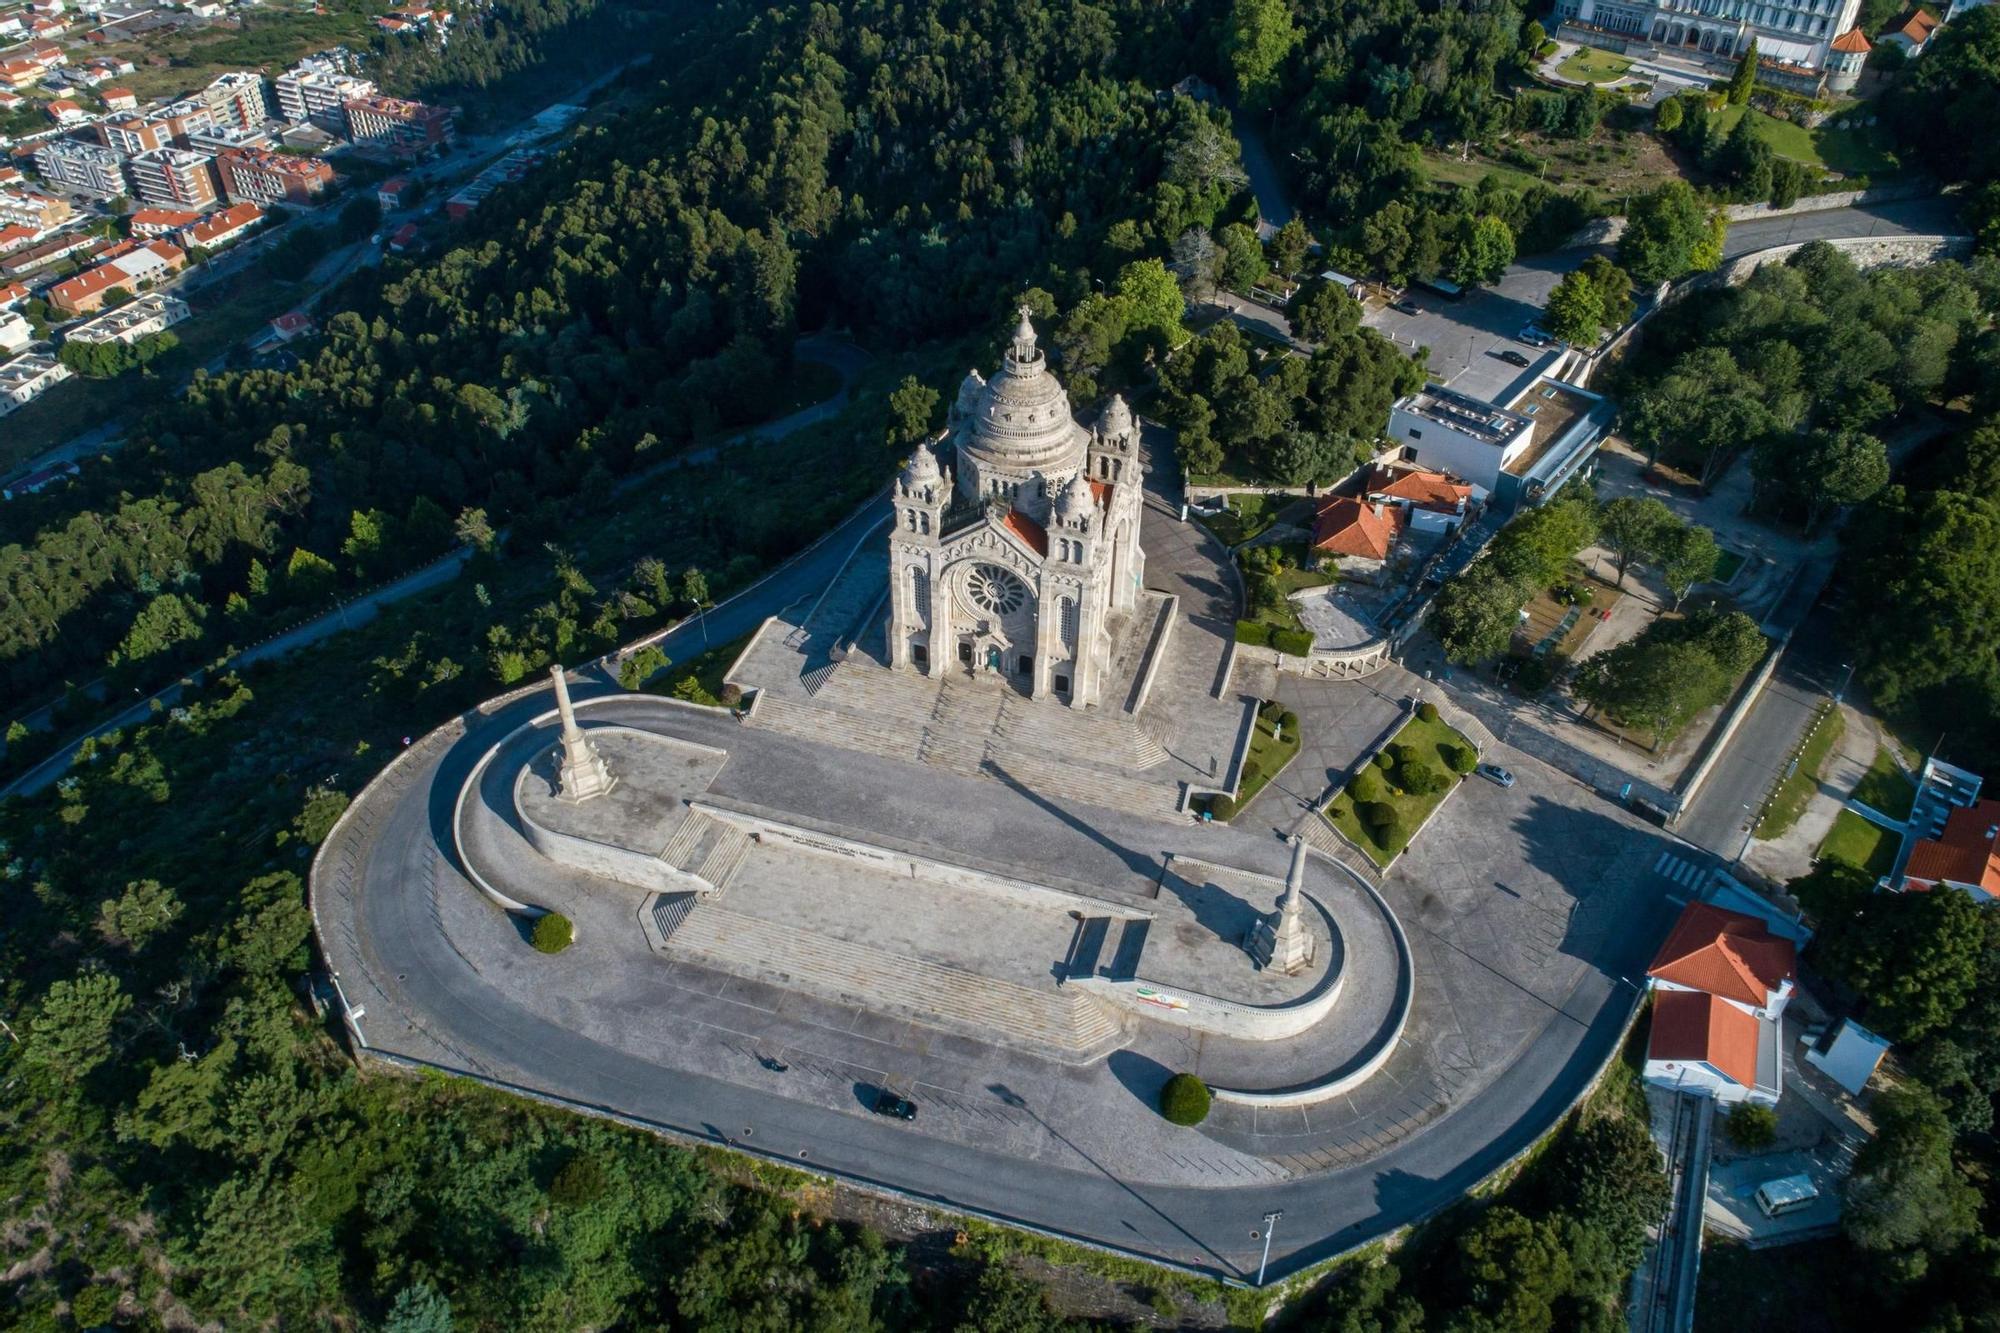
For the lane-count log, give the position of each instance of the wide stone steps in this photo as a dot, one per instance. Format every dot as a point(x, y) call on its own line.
point(1318, 834)
point(864, 687)
point(1066, 733)
point(686, 836)
point(832, 726)
point(961, 721)
point(1066, 1025)
point(725, 857)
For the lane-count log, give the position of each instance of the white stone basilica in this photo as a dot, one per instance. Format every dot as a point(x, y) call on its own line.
point(1022, 568)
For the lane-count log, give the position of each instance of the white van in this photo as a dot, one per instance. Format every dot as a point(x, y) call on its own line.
point(1787, 1194)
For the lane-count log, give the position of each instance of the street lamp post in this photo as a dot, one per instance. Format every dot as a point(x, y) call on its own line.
point(1270, 1225)
point(1845, 681)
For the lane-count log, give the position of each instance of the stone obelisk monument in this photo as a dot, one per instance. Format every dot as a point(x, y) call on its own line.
point(583, 772)
point(1283, 941)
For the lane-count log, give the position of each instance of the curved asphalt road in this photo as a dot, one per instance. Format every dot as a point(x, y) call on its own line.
point(388, 931)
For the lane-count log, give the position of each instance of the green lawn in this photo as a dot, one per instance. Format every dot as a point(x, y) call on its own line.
point(1886, 787)
point(1860, 843)
point(1250, 515)
point(1796, 791)
point(1856, 152)
point(1434, 740)
point(1726, 567)
point(1267, 758)
point(1595, 66)
point(1439, 168)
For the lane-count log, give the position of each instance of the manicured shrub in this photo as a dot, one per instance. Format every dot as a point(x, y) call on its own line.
point(1463, 759)
point(1368, 785)
point(1289, 721)
point(1292, 642)
point(1253, 773)
point(553, 933)
point(1270, 710)
point(1378, 815)
point(1223, 807)
point(1421, 779)
point(1428, 711)
point(1405, 756)
point(1383, 760)
point(1751, 1126)
point(1253, 632)
point(1185, 1100)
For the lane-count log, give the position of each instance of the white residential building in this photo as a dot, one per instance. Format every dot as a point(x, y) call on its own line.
point(15, 332)
point(1720, 985)
point(89, 167)
point(27, 378)
point(317, 90)
point(141, 318)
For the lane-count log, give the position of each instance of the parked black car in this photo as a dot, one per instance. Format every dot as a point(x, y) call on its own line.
point(888, 1103)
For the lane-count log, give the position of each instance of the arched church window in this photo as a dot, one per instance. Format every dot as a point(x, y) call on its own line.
point(1067, 608)
point(920, 594)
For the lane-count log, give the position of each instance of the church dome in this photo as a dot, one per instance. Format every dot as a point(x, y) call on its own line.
point(1021, 425)
point(1074, 504)
point(1116, 419)
point(922, 471)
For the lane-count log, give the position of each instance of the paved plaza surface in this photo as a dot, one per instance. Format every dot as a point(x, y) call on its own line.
point(769, 1012)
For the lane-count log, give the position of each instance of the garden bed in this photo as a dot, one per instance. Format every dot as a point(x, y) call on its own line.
point(1434, 742)
point(1268, 756)
point(1886, 787)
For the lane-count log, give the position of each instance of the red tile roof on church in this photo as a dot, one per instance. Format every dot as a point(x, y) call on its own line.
point(1346, 526)
point(1853, 40)
point(1100, 491)
point(1029, 531)
point(1695, 1028)
point(1725, 953)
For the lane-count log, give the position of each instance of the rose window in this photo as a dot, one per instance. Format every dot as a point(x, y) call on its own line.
point(996, 591)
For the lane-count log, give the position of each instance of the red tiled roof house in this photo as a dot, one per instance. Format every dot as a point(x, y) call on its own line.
point(1720, 985)
point(1963, 856)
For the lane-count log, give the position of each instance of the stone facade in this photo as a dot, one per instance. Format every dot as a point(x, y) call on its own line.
point(1790, 34)
point(1017, 560)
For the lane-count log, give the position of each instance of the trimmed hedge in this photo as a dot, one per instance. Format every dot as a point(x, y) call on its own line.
point(1368, 785)
point(553, 933)
point(1184, 1100)
point(1252, 772)
point(1377, 814)
point(1223, 807)
point(1292, 642)
point(1289, 721)
point(1428, 711)
point(1463, 759)
point(1383, 760)
point(1253, 632)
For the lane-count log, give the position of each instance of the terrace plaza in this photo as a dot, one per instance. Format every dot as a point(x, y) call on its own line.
point(972, 878)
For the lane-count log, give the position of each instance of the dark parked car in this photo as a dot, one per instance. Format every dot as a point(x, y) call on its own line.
point(888, 1103)
point(1512, 357)
point(1406, 307)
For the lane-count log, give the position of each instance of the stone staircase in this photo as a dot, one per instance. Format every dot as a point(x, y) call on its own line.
point(1065, 1025)
point(1321, 837)
point(1070, 782)
point(866, 687)
point(962, 720)
point(724, 858)
point(833, 726)
point(1066, 733)
point(687, 836)
point(670, 912)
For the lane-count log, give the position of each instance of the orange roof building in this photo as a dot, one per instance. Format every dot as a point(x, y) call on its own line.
point(1963, 855)
point(1439, 492)
point(1853, 42)
point(1913, 31)
point(1726, 954)
point(1690, 1027)
point(1356, 529)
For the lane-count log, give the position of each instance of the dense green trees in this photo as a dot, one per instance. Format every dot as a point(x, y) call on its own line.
point(1475, 614)
point(1670, 672)
point(1944, 108)
point(1669, 234)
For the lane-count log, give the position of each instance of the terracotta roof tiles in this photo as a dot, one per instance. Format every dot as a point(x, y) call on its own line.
point(1725, 953)
point(1699, 1029)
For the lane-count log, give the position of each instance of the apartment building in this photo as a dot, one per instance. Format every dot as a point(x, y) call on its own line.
point(317, 90)
point(20, 206)
point(90, 167)
point(219, 138)
point(27, 378)
point(149, 314)
point(239, 99)
point(174, 178)
point(407, 129)
point(85, 293)
point(255, 176)
point(165, 128)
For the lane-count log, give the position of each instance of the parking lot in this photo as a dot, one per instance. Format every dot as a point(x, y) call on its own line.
point(1468, 336)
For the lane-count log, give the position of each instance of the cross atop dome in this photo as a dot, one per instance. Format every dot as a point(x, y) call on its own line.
point(1023, 352)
